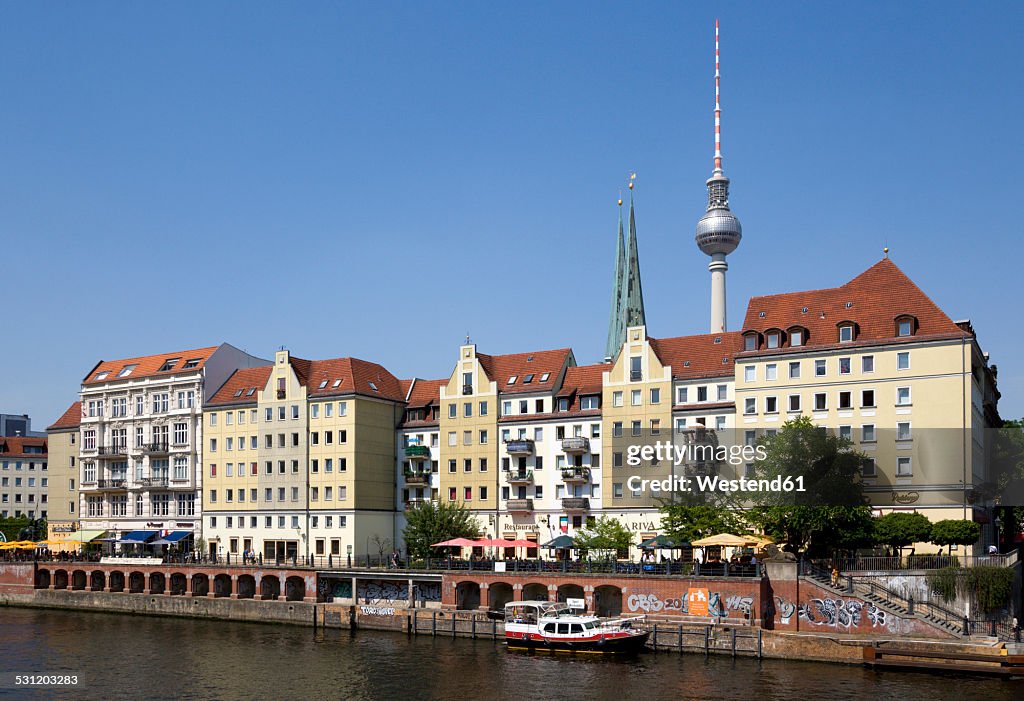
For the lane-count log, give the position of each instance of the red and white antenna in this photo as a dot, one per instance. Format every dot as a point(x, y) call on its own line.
point(718, 108)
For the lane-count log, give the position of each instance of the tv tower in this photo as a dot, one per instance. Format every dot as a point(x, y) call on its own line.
point(718, 231)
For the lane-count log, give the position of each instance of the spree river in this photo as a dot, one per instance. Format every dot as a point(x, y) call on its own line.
point(139, 657)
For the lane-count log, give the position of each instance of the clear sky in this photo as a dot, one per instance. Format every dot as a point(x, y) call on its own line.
point(380, 179)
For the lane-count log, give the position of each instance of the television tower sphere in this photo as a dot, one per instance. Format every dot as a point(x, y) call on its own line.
point(719, 230)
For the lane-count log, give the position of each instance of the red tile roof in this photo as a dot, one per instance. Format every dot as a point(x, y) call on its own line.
point(14, 446)
point(500, 368)
point(69, 419)
point(878, 295)
point(705, 355)
point(149, 365)
point(424, 392)
point(244, 379)
point(357, 376)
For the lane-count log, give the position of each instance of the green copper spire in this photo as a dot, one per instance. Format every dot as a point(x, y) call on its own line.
point(616, 330)
point(633, 310)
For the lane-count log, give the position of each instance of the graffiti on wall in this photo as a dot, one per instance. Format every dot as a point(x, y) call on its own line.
point(378, 591)
point(841, 613)
point(732, 606)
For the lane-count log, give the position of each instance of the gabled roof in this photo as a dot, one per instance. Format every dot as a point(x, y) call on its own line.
point(69, 419)
point(501, 368)
point(14, 446)
point(583, 379)
point(872, 300)
point(424, 392)
point(704, 355)
point(357, 376)
point(149, 366)
point(243, 387)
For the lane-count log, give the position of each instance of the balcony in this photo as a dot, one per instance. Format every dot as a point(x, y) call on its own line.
point(576, 504)
point(417, 477)
point(519, 446)
point(417, 452)
point(413, 502)
point(577, 445)
point(520, 505)
point(157, 448)
point(636, 375)
point(116, 483)
point(467, 389)
point(112, 451)
point(151, 482)
point(575, 474)
point(519, 476)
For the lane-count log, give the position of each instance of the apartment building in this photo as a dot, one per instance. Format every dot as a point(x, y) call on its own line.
point(24, 477)
point(62, 490)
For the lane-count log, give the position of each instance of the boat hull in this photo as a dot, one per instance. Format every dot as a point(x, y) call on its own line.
point(603, 646)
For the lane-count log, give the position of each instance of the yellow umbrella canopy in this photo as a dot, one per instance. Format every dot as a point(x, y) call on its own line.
point(727, 540)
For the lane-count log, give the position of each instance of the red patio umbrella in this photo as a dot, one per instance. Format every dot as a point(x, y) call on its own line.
point(456, 543)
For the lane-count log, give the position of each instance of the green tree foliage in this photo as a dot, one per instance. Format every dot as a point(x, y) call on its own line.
point(428, 523)
point(1008, 474)
point(832, 513)
point(605, 534)
point(900, 529)
point(685, 522)
point(18, 528)
point(955, 532)
point(988, 588)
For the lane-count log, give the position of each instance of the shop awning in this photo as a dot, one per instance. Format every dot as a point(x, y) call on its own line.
point(176, 536)
point(137, 537)
point(85, 536)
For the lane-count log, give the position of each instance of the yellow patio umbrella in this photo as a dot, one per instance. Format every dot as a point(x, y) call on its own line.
point(761, 540)
point(50, 542)
point(727, 540)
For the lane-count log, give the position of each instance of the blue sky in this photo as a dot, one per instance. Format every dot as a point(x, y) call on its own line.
point(380, 179)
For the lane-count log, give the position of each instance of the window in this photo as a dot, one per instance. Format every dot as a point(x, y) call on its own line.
point(844, 366)
point(483, 493)
point(867, 398)
point(617, 490)
point(749, 343)
point(867, 363)
point(213, 445)
point(637, 428)
point(750, 373)
point(771, 371)
point(467, 438)
point(483, 437)
point(905, 328)
point(723, 393)
point(483, 408)
point(903, 396)
point(819, 368)
point(342, 409)
point(771, 405)
point(772, 339)
point(903, 431)
point(269, 414)
point(452, 439)
point(820, 402)
point(635, 398)
point(796, 337)
point(845, 334)
point(452, 411)
point(867, 433)
point(655, 428)
point(635, 372)
point(617, 429)
point(867, 467)
point(719, 423)
point(655, 395)
point(181, 434)
point(591, 402)
point(467, 494)
point(794, 402)
point(845, 400)
point(524, 406)
point(681, 395)
point(903, 360)
point(451, 466)
point(794, 370)
point(750, 405)
point(616, 398)
point(467, 465)
point(702, 394)
point(903, 467)
point(280, 413)
point(483, 464)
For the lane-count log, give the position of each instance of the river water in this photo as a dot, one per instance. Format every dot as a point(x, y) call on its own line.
point(139, 657)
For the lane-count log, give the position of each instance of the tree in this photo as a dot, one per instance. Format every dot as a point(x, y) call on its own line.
point(900, 529)
point(831, 512)
point(428, 523)
point(955, 532)
point(604, 534)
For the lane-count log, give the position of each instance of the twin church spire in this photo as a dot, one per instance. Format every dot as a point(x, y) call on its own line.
point(627, 307)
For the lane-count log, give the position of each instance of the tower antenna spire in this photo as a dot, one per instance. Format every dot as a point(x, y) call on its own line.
point(718, 106)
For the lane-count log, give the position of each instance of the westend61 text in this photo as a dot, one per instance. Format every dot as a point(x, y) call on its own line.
point(706, 483)
point(662, 451)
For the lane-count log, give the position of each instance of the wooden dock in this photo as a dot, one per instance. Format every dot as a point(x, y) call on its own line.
point(997, 662)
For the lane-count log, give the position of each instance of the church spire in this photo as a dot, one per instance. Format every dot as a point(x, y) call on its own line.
point(616, 331)
point(633, 310)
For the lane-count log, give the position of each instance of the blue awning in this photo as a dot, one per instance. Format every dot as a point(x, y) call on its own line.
point(138, 536)
point(177, 535)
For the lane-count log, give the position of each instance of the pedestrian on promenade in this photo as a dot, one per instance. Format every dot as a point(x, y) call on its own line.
point(835, 576)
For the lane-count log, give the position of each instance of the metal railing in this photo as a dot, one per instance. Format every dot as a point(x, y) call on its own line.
point(575, 474)
point(519, 476)
point(575, 444)
point(519, 446)
point(917, 562)
point(119, 483)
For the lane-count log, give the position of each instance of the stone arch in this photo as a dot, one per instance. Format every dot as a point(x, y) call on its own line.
point(499, 594)
point(157, 583)
point(60, 579)
point(222, 585)
point(117, 581)
point(294, 589)
point(569, 591)
point(97, 580)
point(270, 587)
point(78, 580)
point(246, 586)
point(467, 595)
point(43, 579)
point(607, 600)
point(179, 584)
point(136, 583)
point(535, 592)
point(200, 584)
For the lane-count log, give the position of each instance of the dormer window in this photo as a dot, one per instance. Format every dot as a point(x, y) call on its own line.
point(796, 337)
point(906, 325)
point(127, 370)
point(750, 342)
point(168, 364)
point(190, 363)
point(773, 339)
point(563, 404)
point(846, 333)
point(102, 375)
